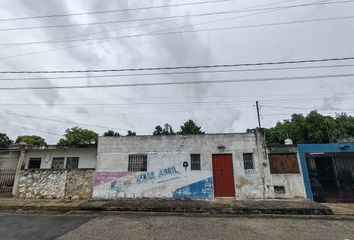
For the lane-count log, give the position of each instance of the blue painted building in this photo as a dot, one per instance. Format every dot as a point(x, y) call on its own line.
point(328, 171)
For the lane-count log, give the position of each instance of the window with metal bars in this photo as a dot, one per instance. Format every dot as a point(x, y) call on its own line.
point(248, 161)
point(195, 161)
point(137, 163)
point(72, 162)
point(34, 163)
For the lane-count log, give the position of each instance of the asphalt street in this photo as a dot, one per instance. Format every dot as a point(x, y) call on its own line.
point(87, 226)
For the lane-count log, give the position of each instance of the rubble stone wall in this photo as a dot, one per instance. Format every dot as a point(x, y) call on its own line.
point(79, 184)
point(55, 184)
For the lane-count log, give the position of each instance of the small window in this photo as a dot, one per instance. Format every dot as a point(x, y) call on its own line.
point(195, 161)
point(137, 163)
point(34, 163)
point(279, 189)
point(58, 163)
point(72, 162)
point(248, 161)
point(283, 164)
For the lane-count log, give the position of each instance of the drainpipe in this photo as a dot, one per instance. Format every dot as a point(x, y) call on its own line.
point(20, 165)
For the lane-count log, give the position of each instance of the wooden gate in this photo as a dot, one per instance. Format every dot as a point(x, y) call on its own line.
point(7, 178)
point(223, 173)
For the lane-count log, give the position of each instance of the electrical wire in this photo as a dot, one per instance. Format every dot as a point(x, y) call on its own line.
point(149, 24)
point(186, 67)
point(115, 10)
point(180, 32)
point(168, 17)
point(159, 33)
point(173, 73)
point(180, 82)
point(60, 121)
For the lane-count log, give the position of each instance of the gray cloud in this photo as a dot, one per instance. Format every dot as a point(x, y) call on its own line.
point(229, 107)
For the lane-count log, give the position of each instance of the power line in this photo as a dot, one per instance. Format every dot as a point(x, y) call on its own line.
point(129, 36)
point(186, 67)
point(174, 73)
point(179, 83)
point(33, 129)
point(168, 17)
point(179, 32)
point(291, 100)
point(115, 10)
point(144, 25)
point(60, 121)
point(66, 40)
point(326, 96)
point(126, 104)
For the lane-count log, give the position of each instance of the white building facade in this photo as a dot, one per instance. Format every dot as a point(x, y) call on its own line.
point(183, 167)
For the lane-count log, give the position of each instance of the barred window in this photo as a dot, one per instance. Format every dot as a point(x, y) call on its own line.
point(72, 162)
point(195, 161)
point(248, 161)
point(58, 163)
point(137, 163)
point(34, 163)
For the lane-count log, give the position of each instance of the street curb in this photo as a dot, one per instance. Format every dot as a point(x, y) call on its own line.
point(202, 207)
point(165, 206)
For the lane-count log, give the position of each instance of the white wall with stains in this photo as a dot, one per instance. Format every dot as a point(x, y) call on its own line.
point(113, 180)
point(87, 156)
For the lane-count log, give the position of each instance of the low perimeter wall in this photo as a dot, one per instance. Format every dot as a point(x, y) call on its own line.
point(47, 183)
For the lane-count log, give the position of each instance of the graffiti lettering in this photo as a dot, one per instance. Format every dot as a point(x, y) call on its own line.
point(167, 172)
point(146, 177)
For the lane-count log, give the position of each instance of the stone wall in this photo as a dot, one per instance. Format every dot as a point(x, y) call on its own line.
point(79, 184)
point(47, 183)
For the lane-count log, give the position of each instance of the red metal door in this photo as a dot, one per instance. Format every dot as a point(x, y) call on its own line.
point(223, 172)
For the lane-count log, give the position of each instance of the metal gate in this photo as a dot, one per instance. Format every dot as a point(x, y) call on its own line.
point(7, 178)
point(223, 172)
point(332, 177)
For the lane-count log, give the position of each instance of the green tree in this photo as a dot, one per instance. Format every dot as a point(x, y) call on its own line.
point(111, 133)
point(190, 127)
point(31, 140)
point(313, 128)
point(5, 141)
point(131, 133)
point(167, 130)
point(78, 136)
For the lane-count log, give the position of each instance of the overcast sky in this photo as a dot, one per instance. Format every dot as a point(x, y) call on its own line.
point(217, 107)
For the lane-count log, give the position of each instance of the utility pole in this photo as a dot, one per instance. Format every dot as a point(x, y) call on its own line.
point(259, 117)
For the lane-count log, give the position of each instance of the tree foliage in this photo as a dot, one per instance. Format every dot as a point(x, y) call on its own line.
point(131, 133)
point(78, 136)
point(31, 140)
point(5, 141)
point(190, 127)
point(166, 130)
point(313, 128)
point(111, 133)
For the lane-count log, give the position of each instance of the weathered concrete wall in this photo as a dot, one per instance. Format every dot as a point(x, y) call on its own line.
point(79, 184)
point(9, 159)
point(293, 183)
point(87, 156)
point(40, 183)
point(167, 153)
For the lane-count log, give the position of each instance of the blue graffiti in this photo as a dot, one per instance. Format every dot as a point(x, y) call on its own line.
point(202, 190)
point(146, 177)
point(114, 185)
point(167, 172)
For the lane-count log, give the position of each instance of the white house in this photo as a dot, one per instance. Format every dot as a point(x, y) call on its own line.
point(184, 167)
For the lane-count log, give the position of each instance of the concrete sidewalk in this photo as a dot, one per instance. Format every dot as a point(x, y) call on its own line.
point(219, 206)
